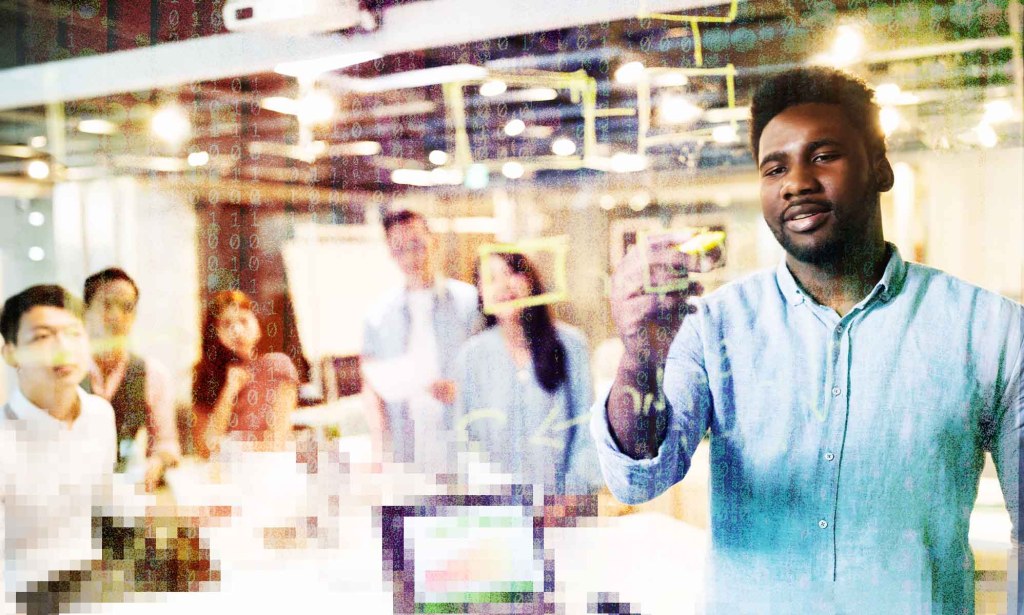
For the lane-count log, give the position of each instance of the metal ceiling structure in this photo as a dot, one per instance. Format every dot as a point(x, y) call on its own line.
point(655, 86)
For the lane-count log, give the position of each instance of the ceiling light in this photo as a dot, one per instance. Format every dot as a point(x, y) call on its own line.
point(355, 148)
point(438, 157)
point(676, 109)
point(35, 253)
point(623, 162)
point(987, 136)
point(312, 68)
point(418, 78)
point(170, 124)
point(998, 112)
point(848, 46)
point(38, 142)
point(36, 218)
point(198, 159)
point(37, 169)
point(563, 146)
point(607, 202)
point(537, 94)
point(280, 104)
point(477, 176)
point(97, 127)
point(493, 87)
point(514, 128)
point(513, 170)
point(670, 80)
point(316, 107)
point(725, 134)
point(639, 201)
point(630, 72)
point(890, 94)
point(890, 119)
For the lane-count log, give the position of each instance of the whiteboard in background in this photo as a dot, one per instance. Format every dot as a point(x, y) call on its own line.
point(335, 275)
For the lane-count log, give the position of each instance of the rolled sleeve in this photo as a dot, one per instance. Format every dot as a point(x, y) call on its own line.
point(633, 481)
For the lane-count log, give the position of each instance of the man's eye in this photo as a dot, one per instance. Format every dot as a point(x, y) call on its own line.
point(825, 157)
point(773, 171)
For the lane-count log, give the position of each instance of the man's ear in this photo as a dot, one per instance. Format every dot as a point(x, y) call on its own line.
point(9, 352)
point(884, 177)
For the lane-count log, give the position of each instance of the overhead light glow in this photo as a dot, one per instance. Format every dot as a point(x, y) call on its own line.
point(198, 159)
point(725, 134)
point(36, 218)
point(623, 162)
point(889, 94)
point(35, 253)
point(670, 80)
point(639, 201)
point(318, 66)
point(493, 87)
point(514, 128)
point(987, 136)
point(513, 170)
point(563, 146)
point(38, 142)
point(438, 157)
point(170, 124)
point(607, 202)
point(677, 109)
point(847, 48)
point(998, 112)
point(890, 119)
point(418, 78)
point(630, 72)
point(38, 169)
point(96, 126)
point(316, 107)
point(537, 94)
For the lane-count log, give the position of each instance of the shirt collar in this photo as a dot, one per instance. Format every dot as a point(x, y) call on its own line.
point(887, 287)
point(32, 414)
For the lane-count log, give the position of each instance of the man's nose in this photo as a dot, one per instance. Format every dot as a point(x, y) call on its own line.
point(799, 181)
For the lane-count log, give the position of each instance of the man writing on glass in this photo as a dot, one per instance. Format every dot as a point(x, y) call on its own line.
point(850, 395)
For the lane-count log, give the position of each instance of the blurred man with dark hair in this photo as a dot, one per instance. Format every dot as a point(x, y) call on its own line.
point(57, 446)
point(424, 323)
point(850, 395)
point(139, 389)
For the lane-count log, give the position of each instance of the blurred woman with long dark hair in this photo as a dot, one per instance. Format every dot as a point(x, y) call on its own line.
point(525, 385)
point(236, 390)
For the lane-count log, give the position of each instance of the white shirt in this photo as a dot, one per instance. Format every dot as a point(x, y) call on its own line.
point(424, 410)
point(51, 476)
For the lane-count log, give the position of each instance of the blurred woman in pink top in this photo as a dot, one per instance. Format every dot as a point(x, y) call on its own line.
point(234, 389)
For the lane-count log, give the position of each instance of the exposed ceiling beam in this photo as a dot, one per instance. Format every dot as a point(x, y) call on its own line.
point(168, 65)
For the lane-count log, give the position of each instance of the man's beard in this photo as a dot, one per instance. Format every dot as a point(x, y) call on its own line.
point(845, 237)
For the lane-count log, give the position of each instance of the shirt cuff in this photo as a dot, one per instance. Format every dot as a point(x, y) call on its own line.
point(634, 481)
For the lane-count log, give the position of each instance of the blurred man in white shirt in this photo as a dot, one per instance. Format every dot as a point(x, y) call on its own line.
point(57, 442)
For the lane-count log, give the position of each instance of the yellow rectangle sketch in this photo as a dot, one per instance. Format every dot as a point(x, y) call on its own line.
point(700, 241)
point(557, 246)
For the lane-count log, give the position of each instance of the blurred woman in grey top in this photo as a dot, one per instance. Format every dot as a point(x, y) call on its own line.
point(524, 386)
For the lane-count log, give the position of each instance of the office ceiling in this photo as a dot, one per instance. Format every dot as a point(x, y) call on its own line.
point(949, 70)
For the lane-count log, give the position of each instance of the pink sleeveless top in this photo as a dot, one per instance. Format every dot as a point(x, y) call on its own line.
point(254, 407)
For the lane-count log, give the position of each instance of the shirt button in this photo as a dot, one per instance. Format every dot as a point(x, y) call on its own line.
point(823, 524)
point(829, 456)
point(839, 328)
point(836, 390)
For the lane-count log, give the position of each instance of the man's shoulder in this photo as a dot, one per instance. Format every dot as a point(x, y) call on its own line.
point(385, 307)
point(928, 282)
point(464, 294)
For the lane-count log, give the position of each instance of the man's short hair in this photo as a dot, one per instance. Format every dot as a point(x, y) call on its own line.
point(110, 274)
point(49, 295)
point(401, 216)
point(817, 84)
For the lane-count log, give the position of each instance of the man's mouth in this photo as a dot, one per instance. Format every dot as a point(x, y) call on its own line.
point(63, 371)
point(806, 217)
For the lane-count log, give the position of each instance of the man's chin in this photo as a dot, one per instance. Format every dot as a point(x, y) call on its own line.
point(813, 252)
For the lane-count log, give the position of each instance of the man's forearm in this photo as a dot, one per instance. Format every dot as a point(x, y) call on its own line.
point(637, 411)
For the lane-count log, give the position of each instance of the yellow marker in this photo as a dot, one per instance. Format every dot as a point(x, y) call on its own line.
point(702, 242)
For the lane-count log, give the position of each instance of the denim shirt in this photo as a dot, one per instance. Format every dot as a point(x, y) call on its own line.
point(539, 437)
point(845, 452)
point(456, 317)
